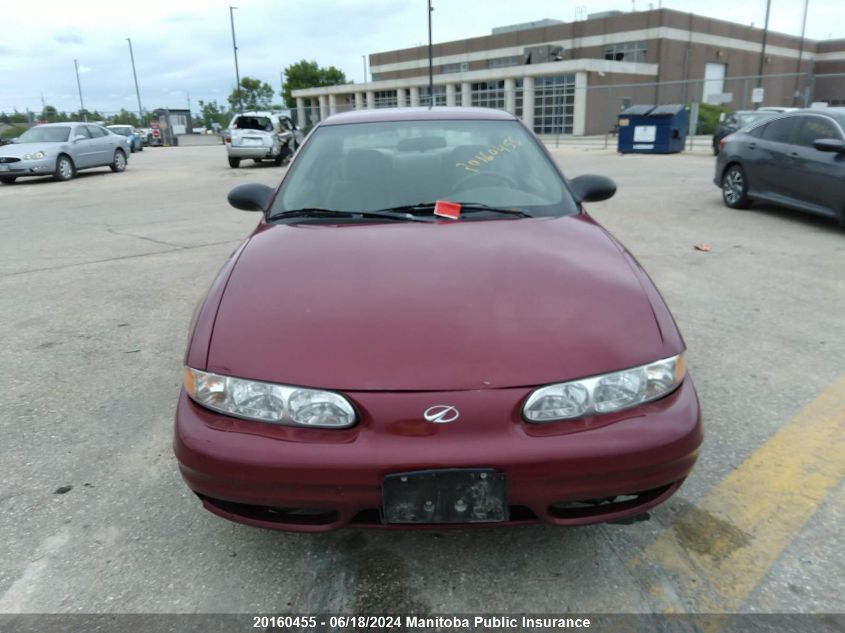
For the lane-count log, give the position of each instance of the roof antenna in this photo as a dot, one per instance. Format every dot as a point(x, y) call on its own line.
point(430, 67)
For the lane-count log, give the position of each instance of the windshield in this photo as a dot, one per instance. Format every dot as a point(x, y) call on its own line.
point(752, 117)
point(39, 134)
point(123, 131)
point(370, 166)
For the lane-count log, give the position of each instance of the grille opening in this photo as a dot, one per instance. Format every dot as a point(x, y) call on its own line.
point(297, 516)
point(603, 505)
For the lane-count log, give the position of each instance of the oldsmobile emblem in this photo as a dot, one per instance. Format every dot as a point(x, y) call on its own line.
point(441, 414)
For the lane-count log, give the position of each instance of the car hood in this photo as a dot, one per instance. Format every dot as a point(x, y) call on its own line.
point(433, 307)
point(19, 150)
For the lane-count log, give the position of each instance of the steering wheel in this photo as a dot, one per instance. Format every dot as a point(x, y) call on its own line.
point(484, 179)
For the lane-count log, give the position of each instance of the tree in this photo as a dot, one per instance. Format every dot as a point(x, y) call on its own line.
point(254, 95)
point(305, 74)
point(124, 117)
point(214, 113)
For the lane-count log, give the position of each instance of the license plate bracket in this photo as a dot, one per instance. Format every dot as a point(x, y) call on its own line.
point(453, 495)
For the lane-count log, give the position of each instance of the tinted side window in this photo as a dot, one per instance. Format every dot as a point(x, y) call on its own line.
point(96, 132)
point(781, 130)
point(758, 131)
point(814, 128)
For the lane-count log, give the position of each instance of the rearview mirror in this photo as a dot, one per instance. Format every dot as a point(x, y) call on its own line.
point(251, 197)
point(829, 145)
point(591, 188)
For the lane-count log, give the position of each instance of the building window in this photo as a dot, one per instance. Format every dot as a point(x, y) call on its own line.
point(554, 104)
point(461, 67)
point(375, 76)
point(504, 62)
point(439, 96)
point(386, 99)
point(626, 52)
point(489, 94)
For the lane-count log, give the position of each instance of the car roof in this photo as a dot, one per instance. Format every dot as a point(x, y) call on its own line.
point(417, 114)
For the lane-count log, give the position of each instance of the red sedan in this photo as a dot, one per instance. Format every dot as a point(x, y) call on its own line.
point(427, 329)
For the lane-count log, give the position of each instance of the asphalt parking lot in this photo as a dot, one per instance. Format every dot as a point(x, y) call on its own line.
point(98, 280)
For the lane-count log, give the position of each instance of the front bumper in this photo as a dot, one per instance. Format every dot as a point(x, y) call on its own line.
point(318, 480)
point(41, 167)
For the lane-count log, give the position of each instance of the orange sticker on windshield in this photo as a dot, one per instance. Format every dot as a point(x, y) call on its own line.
point(444, 209)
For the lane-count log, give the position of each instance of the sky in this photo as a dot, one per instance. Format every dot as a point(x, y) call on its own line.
point(183, 48)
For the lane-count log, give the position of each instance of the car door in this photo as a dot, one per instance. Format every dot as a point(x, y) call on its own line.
point(819, 177)
point(103, 146)
point(83, 150)
point(766, 158)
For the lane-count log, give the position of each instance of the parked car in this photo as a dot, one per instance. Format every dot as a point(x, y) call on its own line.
point(511, 365)
point(795, 160)
point(62, 149)
point(737, 120)
point(261, 136)
point(132, 135)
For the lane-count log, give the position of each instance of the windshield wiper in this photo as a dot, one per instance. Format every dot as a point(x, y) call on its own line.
point(317, 212)
point(468, 207)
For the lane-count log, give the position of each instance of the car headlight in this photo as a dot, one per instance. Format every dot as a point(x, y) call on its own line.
point(34, 156)
point(606, 393)
point(269, 402)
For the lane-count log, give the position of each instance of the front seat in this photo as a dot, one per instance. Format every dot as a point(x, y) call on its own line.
point(367, 182)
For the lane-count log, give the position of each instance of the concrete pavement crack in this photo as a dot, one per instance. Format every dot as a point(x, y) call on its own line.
point(112, 259)
point(142, 237)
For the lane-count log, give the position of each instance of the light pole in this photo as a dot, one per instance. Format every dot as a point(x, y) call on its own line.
point(79, 87)
point(364, 62)
point(235, 49)
point(800, 53)
point(430, 66)
point(135, 75)
point(763, 49)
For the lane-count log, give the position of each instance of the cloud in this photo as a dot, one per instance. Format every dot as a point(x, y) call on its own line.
point(69, 38)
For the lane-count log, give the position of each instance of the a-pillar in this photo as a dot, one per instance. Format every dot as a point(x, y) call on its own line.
point(528, 102)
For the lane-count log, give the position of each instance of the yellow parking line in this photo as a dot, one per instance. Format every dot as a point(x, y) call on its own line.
point(718, 552)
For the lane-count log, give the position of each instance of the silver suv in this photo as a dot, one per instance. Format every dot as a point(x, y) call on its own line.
point(260, 136)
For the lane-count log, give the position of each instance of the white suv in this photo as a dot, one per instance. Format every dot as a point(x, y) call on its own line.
point(261, 135)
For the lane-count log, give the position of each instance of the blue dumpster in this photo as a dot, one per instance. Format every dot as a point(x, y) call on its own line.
point(647, 129)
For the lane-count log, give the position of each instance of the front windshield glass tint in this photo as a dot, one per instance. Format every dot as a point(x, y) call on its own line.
point(370, 166)
point(52, 134)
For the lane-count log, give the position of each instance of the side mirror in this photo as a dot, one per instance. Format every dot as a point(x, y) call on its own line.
point(251, 197)
point(829, 145)
point(591, 188)
point(78, 137)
